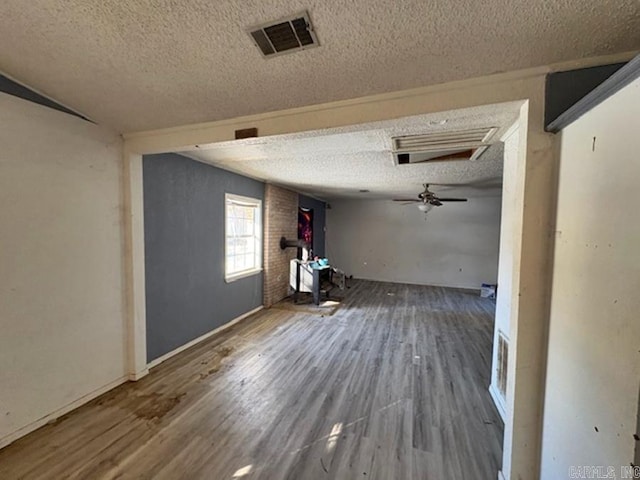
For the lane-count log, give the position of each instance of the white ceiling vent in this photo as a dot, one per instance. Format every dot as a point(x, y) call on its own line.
point(444, 140)
point(442, 146)
point(284, 36)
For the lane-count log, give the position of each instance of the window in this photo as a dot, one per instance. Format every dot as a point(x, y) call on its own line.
point(243, 236)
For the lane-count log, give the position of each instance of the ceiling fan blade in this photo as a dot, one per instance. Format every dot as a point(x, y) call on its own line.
point(406, 200)
point(452, 199)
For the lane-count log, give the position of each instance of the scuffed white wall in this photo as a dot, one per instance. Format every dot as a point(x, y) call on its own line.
point(593, 366)
point(456, 245)
point(62, 331)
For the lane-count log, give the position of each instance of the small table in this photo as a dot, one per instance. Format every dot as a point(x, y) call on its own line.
point(307, 277)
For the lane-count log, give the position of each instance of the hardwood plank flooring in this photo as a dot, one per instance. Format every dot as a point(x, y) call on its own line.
point(392, 386)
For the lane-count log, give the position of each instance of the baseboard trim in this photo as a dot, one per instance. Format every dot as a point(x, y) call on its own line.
point(182, 348)
point(498, 401)
point(474, 290)
point(134, 377)
point(21, 432)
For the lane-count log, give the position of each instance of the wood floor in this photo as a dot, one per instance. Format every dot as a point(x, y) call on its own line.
point(392, 386)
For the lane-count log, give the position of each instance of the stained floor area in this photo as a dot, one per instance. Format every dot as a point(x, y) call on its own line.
point(393, 385)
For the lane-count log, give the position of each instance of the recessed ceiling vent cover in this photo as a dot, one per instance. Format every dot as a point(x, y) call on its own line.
point(443, 140)
point(442, 146)
point(284, 36)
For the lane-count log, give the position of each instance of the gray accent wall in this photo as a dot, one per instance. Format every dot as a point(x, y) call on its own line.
point(319, 222)
point(17, 90)
point(563, 90)
point(186, 294)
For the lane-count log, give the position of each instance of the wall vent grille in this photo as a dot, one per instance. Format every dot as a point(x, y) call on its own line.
point(503, 359)
point(448, 140)
point(442, 146)
point(284, 36)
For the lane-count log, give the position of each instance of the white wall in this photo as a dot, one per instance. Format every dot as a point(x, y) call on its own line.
point(506, 262)
point(455, 245)
point(62, 333)
point(594, 340)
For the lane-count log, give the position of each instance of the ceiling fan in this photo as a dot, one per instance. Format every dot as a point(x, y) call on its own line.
point(427, 200)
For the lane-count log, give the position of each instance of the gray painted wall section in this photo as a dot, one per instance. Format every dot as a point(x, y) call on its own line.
point(14, 88)
point(186, 294)
point(563, 90)
point(319, 221)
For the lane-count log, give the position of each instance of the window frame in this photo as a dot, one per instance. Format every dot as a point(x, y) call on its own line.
point(256, 203)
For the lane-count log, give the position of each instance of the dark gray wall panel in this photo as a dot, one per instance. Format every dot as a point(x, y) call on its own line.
point(564, 89)
point(186, 294)
point(319, 221)
point(599, 92)
point(13, 88)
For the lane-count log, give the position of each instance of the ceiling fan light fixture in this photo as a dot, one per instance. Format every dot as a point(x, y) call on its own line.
point(425, 207)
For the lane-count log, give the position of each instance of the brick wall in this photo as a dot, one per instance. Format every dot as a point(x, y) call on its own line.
point(280, 220)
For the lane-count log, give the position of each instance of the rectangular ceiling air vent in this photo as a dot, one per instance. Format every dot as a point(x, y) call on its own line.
point(451, 140)
point(284, 36)
point(442, 146)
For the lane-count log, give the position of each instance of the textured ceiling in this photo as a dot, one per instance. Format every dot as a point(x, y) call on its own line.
point(143, 64)
point(338, 162)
